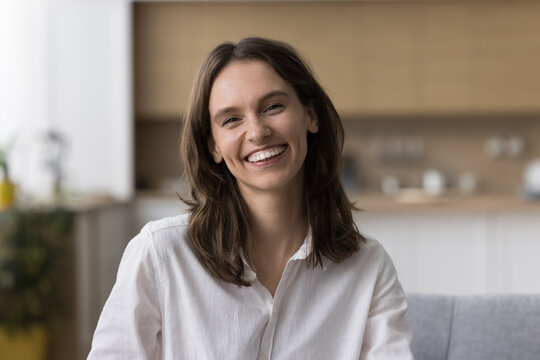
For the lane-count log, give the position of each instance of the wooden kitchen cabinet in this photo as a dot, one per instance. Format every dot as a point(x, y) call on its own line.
point(480, 57)
point(360, 54)
point(373, 58)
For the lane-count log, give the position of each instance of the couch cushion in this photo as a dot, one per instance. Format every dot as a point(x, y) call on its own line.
point(496, 327)
point(430, 317)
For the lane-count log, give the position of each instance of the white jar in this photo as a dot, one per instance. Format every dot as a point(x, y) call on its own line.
point(433, 182)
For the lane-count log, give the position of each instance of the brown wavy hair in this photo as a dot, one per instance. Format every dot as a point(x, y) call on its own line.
point(218, 225)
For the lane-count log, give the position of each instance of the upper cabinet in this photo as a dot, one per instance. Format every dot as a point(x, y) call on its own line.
point(372, 58)
point(479, 56)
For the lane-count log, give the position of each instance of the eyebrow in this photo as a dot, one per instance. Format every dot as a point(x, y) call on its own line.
point(274, 93)
point(232, 109)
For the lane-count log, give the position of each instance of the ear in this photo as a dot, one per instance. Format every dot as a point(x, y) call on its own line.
point(214, 151)
point(313, 121)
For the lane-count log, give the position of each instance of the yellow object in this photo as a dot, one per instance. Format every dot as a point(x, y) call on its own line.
point(7, 194)
point(24, 345)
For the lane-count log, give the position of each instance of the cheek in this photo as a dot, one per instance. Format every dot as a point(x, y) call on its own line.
point(228, 146)
point(300, 132)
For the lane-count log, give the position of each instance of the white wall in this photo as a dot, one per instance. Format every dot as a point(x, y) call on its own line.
point(24, 91)
point(66, 65)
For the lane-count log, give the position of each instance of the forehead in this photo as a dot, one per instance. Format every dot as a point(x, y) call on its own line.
point(245, 80)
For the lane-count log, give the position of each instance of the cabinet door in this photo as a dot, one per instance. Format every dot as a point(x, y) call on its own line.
point(514, 252)
point(446, 56)
point(507, 66)
point(101, 237)
point(434, 252)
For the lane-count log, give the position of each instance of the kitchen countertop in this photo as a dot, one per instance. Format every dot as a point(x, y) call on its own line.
point(416, 200)
point(406, 200)
point(75, 203)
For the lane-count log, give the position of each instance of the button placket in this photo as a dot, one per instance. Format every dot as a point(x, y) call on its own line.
point(267, 341)
point(274, 309)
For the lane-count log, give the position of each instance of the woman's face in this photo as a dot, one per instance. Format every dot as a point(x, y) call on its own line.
point(259, 127)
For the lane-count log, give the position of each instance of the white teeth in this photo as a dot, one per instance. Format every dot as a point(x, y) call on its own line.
point(266, 154)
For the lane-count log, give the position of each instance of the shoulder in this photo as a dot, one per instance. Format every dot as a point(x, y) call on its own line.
point(371, 246)
point(162, 236)
point(370, 258)
point(372, 251)
point(168, 224)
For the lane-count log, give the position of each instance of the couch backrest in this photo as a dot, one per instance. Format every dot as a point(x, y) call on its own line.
point(486, 327)
point(430, 317)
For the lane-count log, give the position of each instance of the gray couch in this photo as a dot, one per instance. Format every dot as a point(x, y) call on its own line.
point(486, 327)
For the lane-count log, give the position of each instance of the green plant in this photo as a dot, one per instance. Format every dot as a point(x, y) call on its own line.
point(3, 166)
point(4, 169)
point(32, 243)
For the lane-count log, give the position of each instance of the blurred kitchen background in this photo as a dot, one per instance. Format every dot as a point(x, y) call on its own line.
point(440, 102)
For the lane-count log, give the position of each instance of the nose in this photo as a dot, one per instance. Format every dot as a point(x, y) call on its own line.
point(258, 130)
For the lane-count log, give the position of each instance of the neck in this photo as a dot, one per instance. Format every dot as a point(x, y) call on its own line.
point(277, 223)
point(278, 226)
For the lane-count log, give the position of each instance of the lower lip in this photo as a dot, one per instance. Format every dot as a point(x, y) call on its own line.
point(270, 161)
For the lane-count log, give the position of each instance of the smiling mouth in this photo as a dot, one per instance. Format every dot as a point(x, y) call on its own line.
point(266, 154)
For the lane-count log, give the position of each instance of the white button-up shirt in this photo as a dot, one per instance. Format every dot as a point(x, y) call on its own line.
point(166, 305)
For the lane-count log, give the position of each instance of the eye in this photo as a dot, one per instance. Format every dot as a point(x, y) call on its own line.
point(273, 107)
point(229, 120)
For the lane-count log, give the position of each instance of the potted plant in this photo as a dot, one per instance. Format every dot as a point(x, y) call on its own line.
point(7, 189)
point(32, 242)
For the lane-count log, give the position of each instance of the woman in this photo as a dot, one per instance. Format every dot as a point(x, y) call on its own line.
point(268, 263)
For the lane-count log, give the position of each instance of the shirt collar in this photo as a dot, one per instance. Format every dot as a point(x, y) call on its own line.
point(249, 273)
point(301, 254)
point(305, 249)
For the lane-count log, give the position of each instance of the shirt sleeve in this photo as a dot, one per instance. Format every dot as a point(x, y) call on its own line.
point(387, 335)
point(130, 324)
